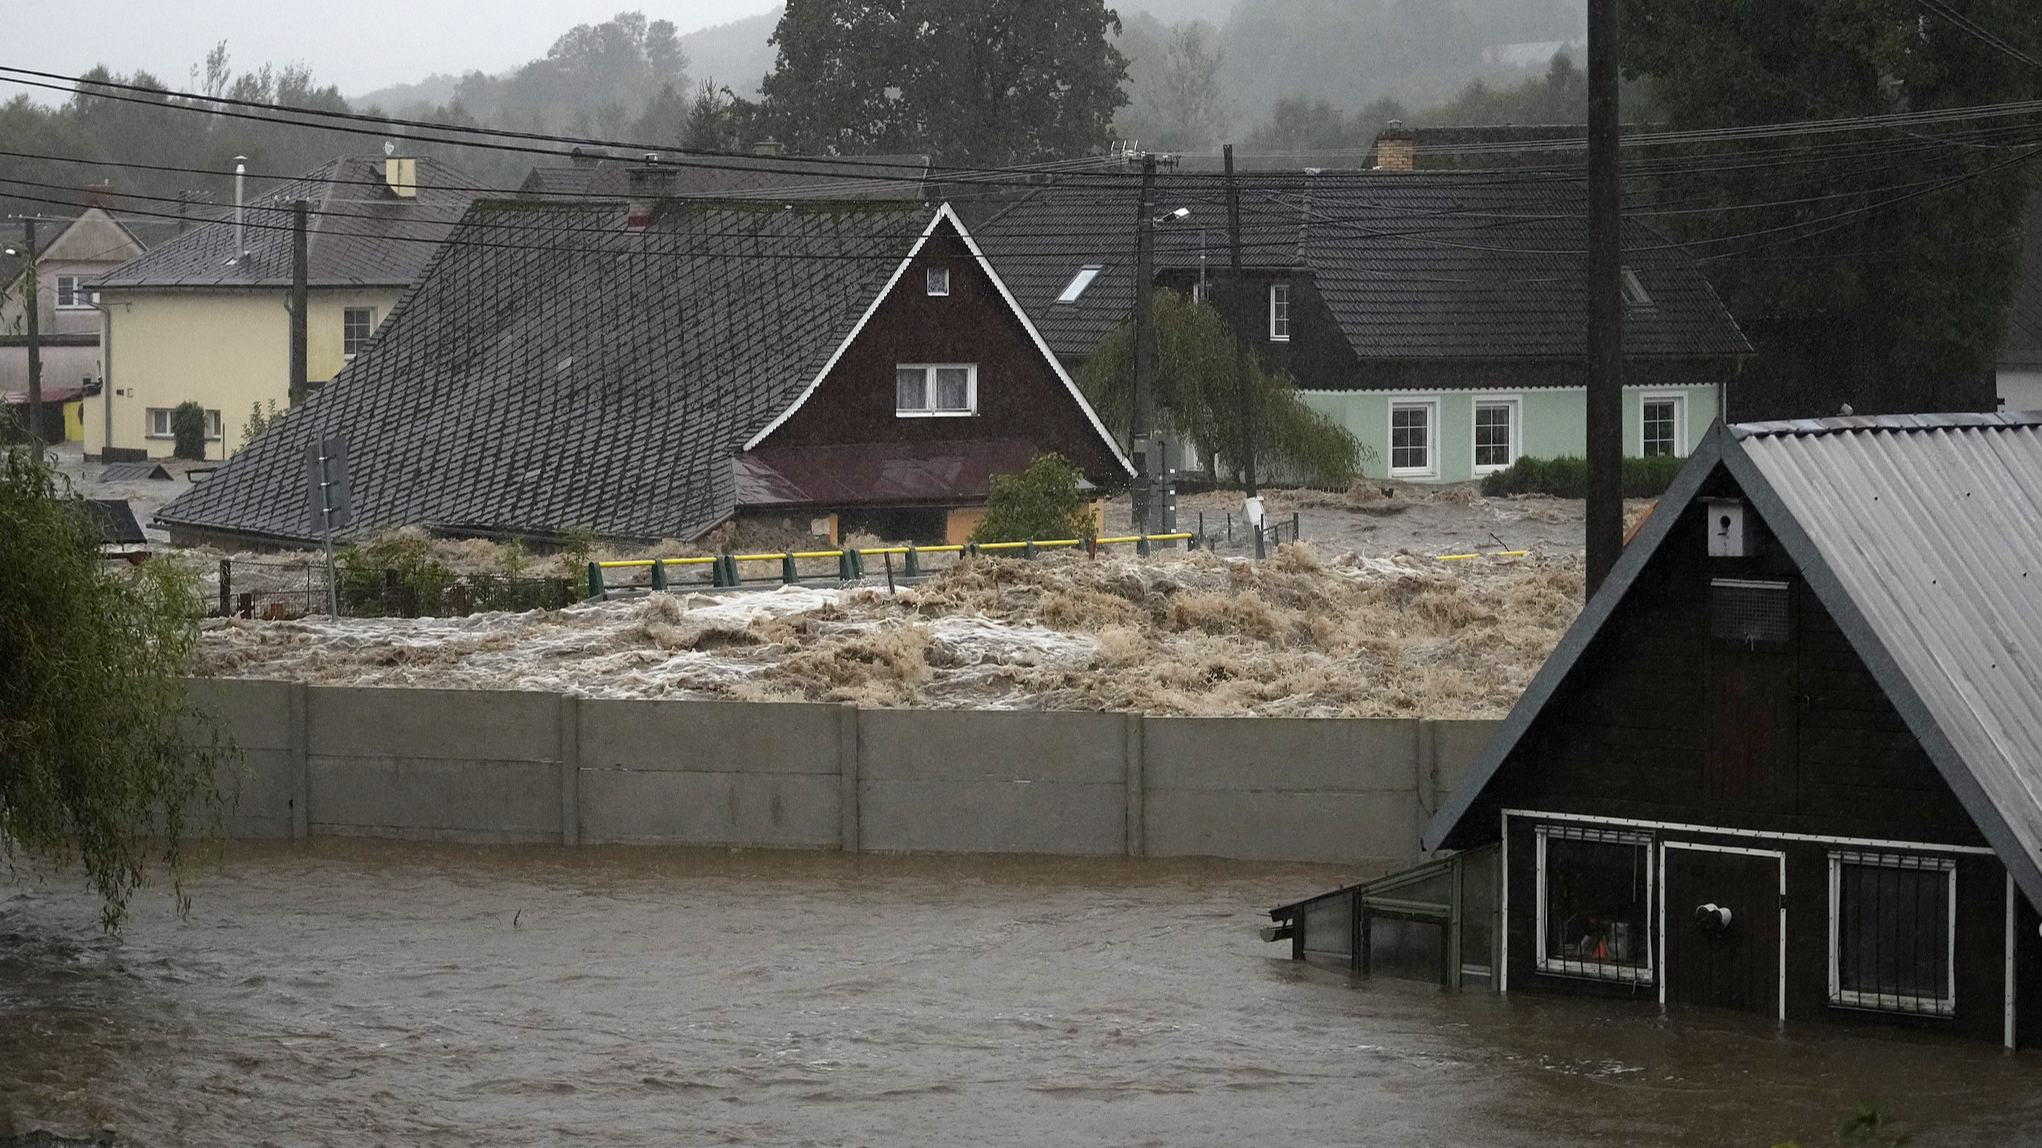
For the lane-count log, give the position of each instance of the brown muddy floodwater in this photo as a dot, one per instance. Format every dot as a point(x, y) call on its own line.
point(355, 993)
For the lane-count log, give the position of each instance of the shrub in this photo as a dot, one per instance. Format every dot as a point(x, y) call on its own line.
point(1567, 477)
point(188, 425)
point(1041, 503)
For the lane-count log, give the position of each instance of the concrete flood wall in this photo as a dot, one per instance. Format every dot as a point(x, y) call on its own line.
point(492, 766)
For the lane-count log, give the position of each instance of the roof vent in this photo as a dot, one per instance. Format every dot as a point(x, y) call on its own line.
point(767, 146)
point(401, 173)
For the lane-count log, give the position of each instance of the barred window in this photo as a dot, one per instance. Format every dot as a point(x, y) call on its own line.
point(1893, 932)
point(1595, 902)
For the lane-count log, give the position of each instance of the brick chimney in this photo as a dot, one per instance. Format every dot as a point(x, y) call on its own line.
point(1395, 146)
point(649, 184)
point(401, 173)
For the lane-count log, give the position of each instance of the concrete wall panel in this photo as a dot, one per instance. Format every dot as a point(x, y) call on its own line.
point(490, 725)
point(259, 787)
point(675, 807)
point(716, 737)
point(453, 799)
point(993, 816)
point(256, 713)
point(1290, 754)
point(1266, 825)
point(978, 745)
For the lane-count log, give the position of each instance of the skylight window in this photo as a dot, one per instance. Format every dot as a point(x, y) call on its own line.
point(1079, 282)
point(1635, 294)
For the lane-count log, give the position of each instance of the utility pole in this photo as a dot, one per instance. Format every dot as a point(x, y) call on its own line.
point(1244, 322)
point(1605, 429)
point(1144, 346)
point(298, 299)
point(32, 305)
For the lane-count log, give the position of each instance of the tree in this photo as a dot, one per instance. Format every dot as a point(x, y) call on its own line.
point(1177, 102)
point(104, 761)
point(971, 82)
point(1874, 270)
point(1199, 396)
point(1041, 504)
point(188, 425)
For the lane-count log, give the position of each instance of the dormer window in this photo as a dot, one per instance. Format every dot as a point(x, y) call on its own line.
point(938, 280)
point(1079, 282)
point(1279, 312)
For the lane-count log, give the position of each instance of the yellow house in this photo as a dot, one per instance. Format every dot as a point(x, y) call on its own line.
point(206, 317)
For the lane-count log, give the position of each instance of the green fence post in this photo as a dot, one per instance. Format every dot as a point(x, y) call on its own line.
point(720, 572)
point(596, 589)
point(858, 565)
point(1028, 549)
point(1141, 546)
point(788, 573)
point(659, 573)
point(914, 562)
point(970, 548)
point(844, 561)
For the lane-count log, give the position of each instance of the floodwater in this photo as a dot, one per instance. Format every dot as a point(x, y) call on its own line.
point(366, 992)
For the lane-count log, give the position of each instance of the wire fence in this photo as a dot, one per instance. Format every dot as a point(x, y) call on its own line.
point(277, 589)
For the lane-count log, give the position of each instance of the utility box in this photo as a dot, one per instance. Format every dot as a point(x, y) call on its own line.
point(1726, 528)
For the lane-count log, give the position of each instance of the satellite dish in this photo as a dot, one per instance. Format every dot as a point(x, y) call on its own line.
point(389, 147)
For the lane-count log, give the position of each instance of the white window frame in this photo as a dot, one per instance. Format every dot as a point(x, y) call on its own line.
point(1279, 312)
point(81, 299)
point(1430, 406)
point(1635, 295)
point(929, 391)
point(1911, 1005)
point(214, 424)
point(344, 313)
point(1080, 280)
point(1596, 970)
point(1516, 430)
point(1679, 421)
point(936, 280)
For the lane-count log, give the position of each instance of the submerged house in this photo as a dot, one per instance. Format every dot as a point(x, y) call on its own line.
point(1788, 760)
point(1437, 315)
point(655, 368)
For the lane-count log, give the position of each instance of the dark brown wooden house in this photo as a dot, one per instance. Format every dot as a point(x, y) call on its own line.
point(647, 374)
point(1789, 759)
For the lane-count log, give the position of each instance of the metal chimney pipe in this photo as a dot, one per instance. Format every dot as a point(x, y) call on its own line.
point(240, 215)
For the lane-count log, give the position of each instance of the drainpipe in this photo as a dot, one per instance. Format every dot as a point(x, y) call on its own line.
point(105, 371)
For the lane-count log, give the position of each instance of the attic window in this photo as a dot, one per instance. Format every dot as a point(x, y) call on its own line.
point(1635, 294)
point(938, 280)
point(1079, 282)
point(1748, 612)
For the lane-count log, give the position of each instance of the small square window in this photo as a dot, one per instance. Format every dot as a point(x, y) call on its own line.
point(1893, 932)
point(1660, 431)
point(357, 324)
point(926, 389)
point(1411, 426)
point(1279, 312)
point(1595, 899)
point(71, 292)
point(162, 423)
point(938, 280)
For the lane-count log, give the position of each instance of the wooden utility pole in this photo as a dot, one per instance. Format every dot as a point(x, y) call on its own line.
point(1244, 321)
point(1605, 429)
point(1144, 347)
point(31, 306)
point(299, 273)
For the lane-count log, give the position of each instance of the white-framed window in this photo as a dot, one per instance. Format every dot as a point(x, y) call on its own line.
point(1635, 294)
point(1279, 312)
point(356, 325)
point(1662, 425)
point(937, 280)
point(1414, 438)
point(1079, 282)
point(160, 425)
point(1893, 932)
point(1496, 434)
point(71, 292)
point(1594, 906)
point(924, 390)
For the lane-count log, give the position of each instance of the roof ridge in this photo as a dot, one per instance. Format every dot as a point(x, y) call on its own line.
point(1897, 422)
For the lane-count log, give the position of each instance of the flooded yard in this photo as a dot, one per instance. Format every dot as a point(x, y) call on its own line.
point(358, 992)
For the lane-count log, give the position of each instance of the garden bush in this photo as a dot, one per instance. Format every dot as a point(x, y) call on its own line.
point(1567, 477)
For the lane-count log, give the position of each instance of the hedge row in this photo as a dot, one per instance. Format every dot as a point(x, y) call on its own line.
point(1567, 477)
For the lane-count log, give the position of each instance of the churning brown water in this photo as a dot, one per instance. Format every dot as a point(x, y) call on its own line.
point(357, 993)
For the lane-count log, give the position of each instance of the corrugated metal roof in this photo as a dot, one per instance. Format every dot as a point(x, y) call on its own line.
point(1934, 530)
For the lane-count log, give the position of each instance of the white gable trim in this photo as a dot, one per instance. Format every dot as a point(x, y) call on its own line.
point(944, 212)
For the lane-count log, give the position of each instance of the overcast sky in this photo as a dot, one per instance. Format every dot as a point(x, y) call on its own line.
point(361, 45)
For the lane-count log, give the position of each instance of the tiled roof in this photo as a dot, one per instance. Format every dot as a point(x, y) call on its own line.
point(785, 177)
point(553, 371)
point(1492, 146)
point(1416, 266)
point(359, 232)
point(2023, 343)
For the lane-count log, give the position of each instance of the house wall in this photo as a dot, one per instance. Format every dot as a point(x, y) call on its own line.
point(1551, 421)
point(2020, 388)
point(225, 350)
point(1628, 736)
point(1019, 395)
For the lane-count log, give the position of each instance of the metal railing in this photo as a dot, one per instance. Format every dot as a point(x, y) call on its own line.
point(728, 571)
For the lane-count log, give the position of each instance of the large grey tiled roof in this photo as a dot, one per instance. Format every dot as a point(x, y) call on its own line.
point(782, 177)
point(1416, 266)
point(359, 232)
point(553, 371)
